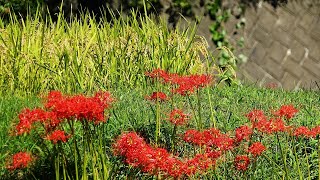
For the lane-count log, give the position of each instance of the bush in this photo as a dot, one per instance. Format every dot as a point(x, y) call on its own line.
point(21, 7)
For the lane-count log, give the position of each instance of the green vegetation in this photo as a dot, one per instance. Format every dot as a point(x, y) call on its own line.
point(83, 57)
point(132, 112)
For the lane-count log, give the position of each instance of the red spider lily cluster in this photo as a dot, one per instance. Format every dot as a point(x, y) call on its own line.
point(306, 132)
point(59, 108)
point(185, 85)
point(138, 153)
point(277, 124)
point(20, 160)
point(210, 137)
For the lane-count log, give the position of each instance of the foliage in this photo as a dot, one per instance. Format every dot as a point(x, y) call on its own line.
point(19, 7)
point(225, 60)
point(85, 56)
point(286, 157)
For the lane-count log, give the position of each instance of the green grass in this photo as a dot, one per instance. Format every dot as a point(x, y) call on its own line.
point(132, 112)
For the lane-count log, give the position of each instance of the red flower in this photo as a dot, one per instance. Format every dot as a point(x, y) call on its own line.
point(201, 161)
point(264, 126)
point(20, 160)
point(278, 125)
point(58, 135)
point(177, 117)
point(193, 136)
point(302, 131)
point(256, 148)
point(223, 142)
point(287, 111)
point(214, 154)
point(104, 98)
point(243, 132)
point(187, 84)
point(241, 162)
point(314, 131)
point(159, 73)
point(27, 117)
point(24, 126)
point(138, 153)
point(157, 96)
point(80, 107)
point(256, 115)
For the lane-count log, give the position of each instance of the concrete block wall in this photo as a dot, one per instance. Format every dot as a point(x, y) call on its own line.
point(282, 44)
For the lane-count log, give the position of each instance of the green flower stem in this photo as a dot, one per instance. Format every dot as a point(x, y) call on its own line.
point(173, 138)
point(283, 157)
point(194, 112)
point(213, 119)
point(307, 159)
point(200, 123)
point(296, 157)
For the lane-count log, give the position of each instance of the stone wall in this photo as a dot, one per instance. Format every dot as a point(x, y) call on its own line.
point(282, 44)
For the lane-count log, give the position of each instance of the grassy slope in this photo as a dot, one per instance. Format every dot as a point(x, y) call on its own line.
point(132, 112)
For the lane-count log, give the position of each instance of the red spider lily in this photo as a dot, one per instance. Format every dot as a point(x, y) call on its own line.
point(287, 111)
point(58, 135)
point(20, 160)
point(264, 126)
point(241, 162)
point(193, 136)
point(62, 107)
point(314, 131)
point(214, 154)
point(256, 148)
point(224, 142)
point(177, 117)
point(202, 162)
point(27, 117)
point(301, 131)
point(104, 98)
point(278, 125)
point(256, 115)
point(159, 73)
point(138, 153)
point(80, 107)
point(209, 137)
point(187, 84)
point(157, 96)
point(243, 132)
point(24, 126)
point(271, 126)
point(210, 134)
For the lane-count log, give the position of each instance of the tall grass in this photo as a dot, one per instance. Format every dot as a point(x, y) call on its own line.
point(83, 55)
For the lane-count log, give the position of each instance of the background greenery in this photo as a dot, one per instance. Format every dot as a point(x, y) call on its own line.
point(84, 56)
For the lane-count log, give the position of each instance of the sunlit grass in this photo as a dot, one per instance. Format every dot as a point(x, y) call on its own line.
point(37, 55)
